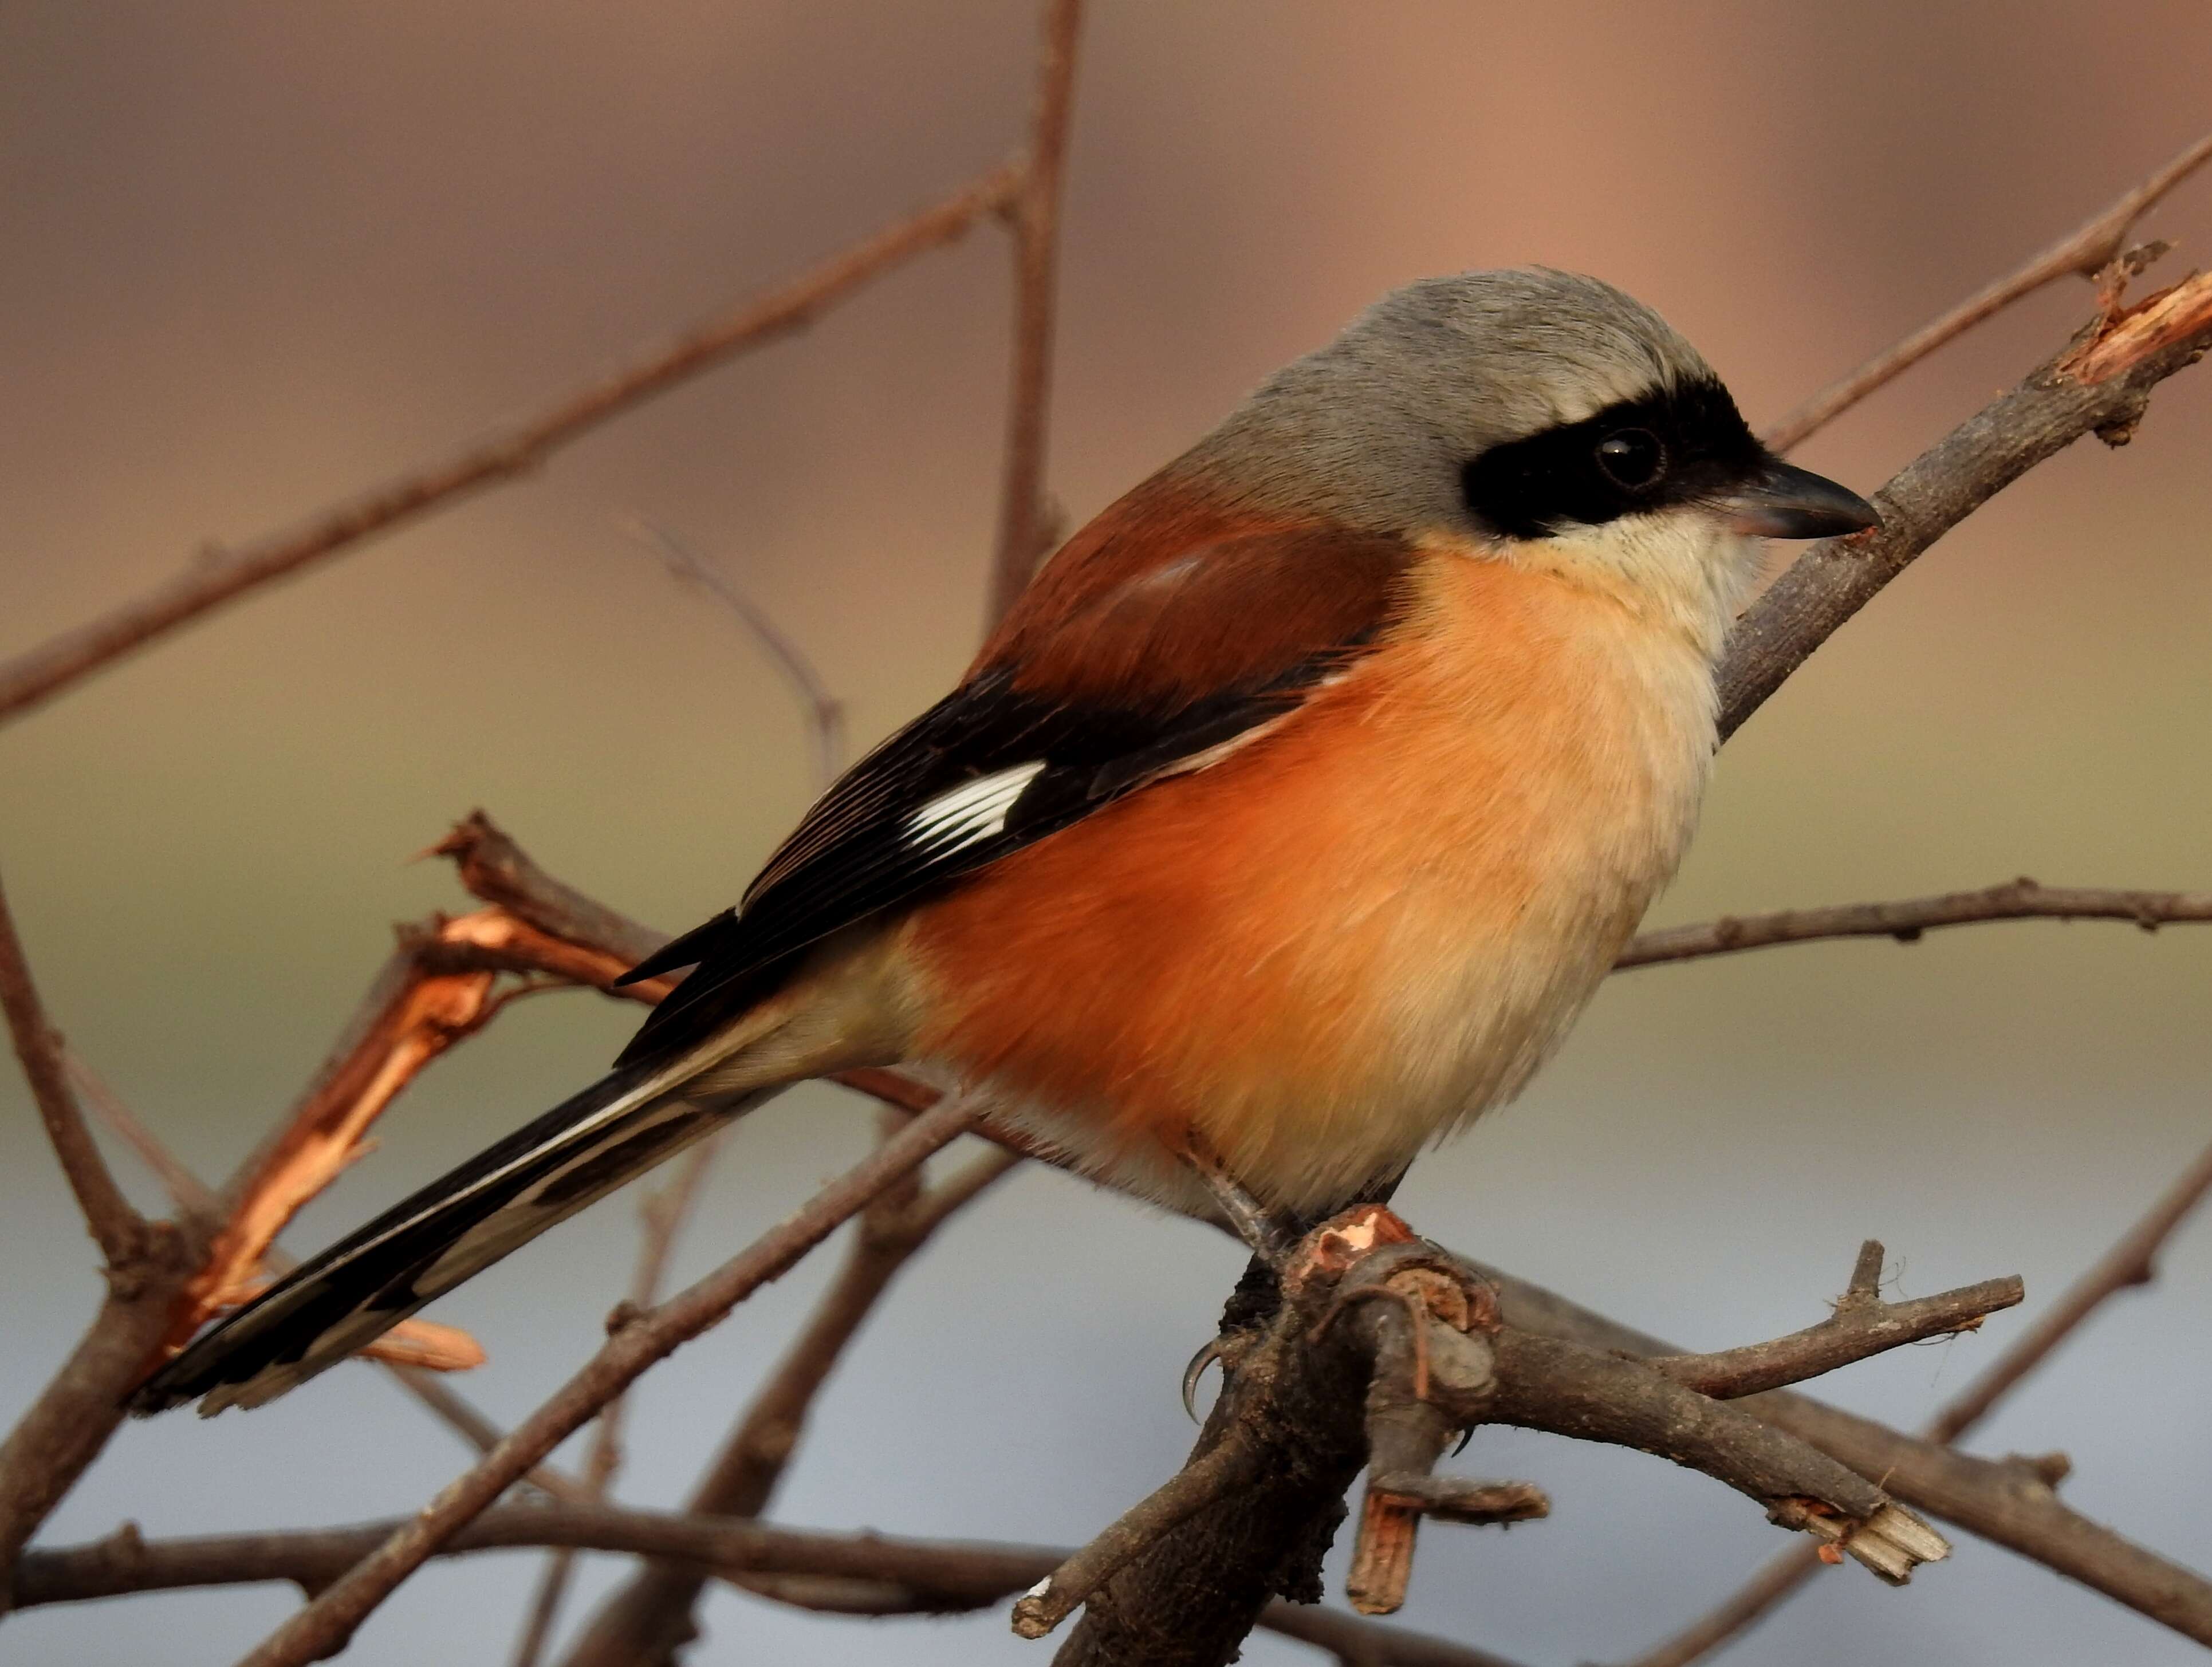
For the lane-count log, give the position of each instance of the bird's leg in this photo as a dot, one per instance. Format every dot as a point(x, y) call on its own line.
point(1271, 1235)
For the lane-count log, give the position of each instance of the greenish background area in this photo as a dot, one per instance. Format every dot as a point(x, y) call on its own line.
point(260, 255)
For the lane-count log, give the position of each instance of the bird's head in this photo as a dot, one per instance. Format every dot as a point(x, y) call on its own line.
point(1535, 416)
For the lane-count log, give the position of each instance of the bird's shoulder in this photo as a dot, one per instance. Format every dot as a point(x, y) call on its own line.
point(1170, 629)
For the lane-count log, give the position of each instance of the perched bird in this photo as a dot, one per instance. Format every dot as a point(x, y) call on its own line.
point(1286, 823)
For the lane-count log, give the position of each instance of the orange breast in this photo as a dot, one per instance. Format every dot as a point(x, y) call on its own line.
point(1367, 925)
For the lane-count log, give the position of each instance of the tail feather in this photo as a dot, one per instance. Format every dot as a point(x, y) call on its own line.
point(456, 1226)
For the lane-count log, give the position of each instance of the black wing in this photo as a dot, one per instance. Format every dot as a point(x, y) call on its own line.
point(988, 770)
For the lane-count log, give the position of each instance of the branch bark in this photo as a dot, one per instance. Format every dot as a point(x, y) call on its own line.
point(1906, 919)
point(1327, 1383)
point(70, 1421)
point(2008, 1502)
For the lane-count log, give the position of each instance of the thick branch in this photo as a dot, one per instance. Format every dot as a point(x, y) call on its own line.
point(66, 1426)
point(326, 1624)
point(1906, 919)
point(1995, 1500)
point(2086, 252)
point(36, 677)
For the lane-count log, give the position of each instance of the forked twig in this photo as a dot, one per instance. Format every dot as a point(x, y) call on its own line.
point(2130, 1262)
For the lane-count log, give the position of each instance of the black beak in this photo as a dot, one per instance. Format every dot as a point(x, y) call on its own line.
point(1785, 501)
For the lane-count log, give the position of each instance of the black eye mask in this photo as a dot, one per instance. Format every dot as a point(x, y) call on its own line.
point(1685, 444)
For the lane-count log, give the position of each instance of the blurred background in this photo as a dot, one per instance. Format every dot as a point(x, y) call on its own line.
point(261, 254)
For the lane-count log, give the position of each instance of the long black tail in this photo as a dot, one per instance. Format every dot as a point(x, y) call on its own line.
point(456, 1226)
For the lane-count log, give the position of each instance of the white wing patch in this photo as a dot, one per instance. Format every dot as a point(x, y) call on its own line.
point(974, 811)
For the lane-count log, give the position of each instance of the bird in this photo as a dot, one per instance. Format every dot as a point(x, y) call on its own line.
point(1285, 825)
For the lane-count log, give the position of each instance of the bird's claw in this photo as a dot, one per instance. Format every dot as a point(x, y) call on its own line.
point(1214, 1352)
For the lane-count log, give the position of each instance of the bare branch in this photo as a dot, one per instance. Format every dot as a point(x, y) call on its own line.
point(1906, 919)
point(414, 1011)
point(823, 712)
point(649, 1617)
point(1861, 1325)
point(68, 1423)
point(928, 1576)
point(2056, 405)
point(198, 1199)
point(1223, 1469)
point(37, 675)
point(1324, 1384)
point(115, 1227)
point(1034, 210)
point(663, 1213)
point(2036, 1531)
point(2085, 252)
point(324, 1625)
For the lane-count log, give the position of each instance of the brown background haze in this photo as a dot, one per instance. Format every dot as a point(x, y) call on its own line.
point(258, 255)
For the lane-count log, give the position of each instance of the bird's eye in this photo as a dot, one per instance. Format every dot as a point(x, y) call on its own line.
point(1633, 458)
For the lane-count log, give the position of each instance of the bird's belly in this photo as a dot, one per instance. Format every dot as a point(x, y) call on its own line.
point(1324, 951)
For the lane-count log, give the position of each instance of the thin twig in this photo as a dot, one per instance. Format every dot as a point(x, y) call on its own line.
point(823, 712)
point(2130, 1262)
point(116, 1228)
point(1843, 1337)
point(324, 1625)
point(1904, 920)
point(36, 676)
point(2084, 252)
point(1033, 211)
